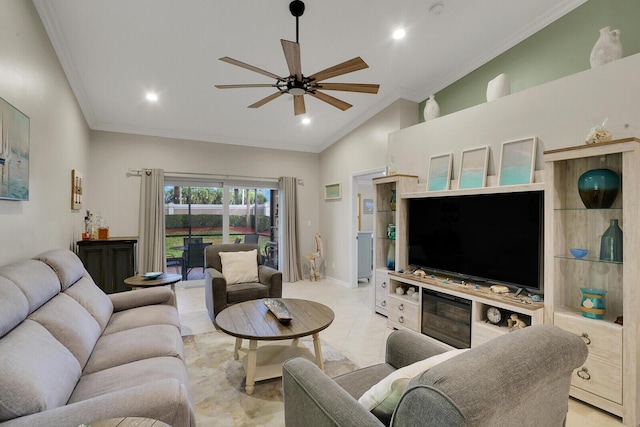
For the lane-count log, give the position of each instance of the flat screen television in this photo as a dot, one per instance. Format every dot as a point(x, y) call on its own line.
point(493, 238)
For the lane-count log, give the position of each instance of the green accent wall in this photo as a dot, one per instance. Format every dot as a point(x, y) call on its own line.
point(558, 50)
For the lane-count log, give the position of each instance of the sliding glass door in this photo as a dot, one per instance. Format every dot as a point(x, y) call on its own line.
point(200, 215)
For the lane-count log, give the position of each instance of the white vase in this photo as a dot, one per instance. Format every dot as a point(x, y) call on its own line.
point(431, 109)
point(608, 47)
point(498, 87)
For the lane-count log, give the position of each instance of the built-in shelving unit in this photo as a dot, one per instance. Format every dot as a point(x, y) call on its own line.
point(610, 378)
point(383, 216)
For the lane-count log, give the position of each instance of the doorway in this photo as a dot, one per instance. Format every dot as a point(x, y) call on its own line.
point(362, 194)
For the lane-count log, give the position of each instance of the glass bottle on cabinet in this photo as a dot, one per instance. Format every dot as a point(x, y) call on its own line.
point(570, 224)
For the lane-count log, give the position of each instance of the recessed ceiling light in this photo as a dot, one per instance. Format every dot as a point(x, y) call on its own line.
point(399, 34)
point(152, 96)
point(306, 121)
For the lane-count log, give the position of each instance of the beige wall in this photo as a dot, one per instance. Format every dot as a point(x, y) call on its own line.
point(113, 154)
point(32, 80)
point(361, 150)
point(559, 113)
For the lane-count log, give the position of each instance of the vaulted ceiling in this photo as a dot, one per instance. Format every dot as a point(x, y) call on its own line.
point(116, 51)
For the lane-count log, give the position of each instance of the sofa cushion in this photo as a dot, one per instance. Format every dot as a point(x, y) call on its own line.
point(129, 375)
point(13, 306)
point(35, 279)
point(246, 291)
point(133, 345)
point(383, 397)
point(70, 324)
point(67, 266)
point(239, 267)
point(93, 299)
point(143, 316)
point(38, 372)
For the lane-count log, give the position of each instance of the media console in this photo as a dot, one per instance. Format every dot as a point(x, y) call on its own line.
point(406, 312)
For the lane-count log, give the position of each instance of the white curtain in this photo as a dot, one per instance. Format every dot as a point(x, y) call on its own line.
point(151, 246)
point(291, 264)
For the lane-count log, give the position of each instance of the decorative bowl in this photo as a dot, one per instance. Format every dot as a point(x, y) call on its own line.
point(152, 275)
point(578, 252)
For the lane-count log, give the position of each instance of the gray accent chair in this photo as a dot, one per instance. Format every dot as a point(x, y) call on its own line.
point(518, 379)
point(219, 295)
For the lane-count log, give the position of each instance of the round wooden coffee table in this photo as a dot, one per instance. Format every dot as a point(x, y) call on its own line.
point(139, 282)
point(253, 321)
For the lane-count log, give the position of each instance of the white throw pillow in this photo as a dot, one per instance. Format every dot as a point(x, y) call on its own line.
point(382, 398)
point(240, 267)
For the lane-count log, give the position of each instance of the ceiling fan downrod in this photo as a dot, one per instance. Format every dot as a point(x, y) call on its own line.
point(296, 7)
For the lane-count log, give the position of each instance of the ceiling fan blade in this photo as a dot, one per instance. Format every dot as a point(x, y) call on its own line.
point(349, 66)
point(349, 87)
point(265, 100)
point(292, 55)
point(248, 67)
point(298, 105)
point(244, 86)
point(331, 100)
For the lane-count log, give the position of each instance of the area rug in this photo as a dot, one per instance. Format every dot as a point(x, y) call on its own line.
point(217, 383)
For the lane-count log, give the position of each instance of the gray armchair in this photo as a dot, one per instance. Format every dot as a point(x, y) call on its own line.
point(521, 378)
point(219, 295)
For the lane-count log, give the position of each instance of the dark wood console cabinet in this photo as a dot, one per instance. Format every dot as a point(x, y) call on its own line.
point(109, 261)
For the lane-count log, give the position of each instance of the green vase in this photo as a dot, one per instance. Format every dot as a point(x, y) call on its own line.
point(611, 243)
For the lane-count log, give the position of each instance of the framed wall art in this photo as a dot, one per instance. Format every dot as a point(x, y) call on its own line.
point(517, 161)
point(367, 206)
point(473, 168)
point(14, 153)
point(76, 190)
point(439, 172)
point(332, 191)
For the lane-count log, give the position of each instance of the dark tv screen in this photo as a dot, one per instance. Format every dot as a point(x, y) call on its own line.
point(495, 238)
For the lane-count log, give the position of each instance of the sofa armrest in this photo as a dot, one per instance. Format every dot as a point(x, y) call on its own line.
point(405, 348)
point(165, 400)
point(272, 278)
point(311, 398)
point(141, 297)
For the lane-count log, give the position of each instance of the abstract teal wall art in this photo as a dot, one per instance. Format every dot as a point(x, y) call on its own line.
point(439, 172)
point(473, 168)
point(14, 153)
point(517, 161)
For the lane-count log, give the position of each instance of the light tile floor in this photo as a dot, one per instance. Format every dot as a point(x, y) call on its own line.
point(357, 331)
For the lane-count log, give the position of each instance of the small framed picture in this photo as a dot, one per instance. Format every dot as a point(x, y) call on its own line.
point(367, 206)
point(332, 191)
point(473, 167)
point(518, 161)
point(439, 172)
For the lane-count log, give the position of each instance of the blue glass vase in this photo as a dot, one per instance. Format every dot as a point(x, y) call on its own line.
point(611, 243)
point(598, 188)
point(391, 256)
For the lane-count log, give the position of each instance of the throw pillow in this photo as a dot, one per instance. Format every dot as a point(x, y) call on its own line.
point(240, 267)
point(382, 398)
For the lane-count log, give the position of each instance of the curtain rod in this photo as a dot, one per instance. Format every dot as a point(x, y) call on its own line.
point(138, 172)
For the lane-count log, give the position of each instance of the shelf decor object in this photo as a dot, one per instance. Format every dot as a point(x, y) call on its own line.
point(611, 243)
point(391, 256)
point(608, 47)
point(518, 161)
point(592, 304)
point(332, 191)
point(498, 87)
point(440, 172)
point(473, 168)
point(392, 201)
point(598, 188)
point(431, 109)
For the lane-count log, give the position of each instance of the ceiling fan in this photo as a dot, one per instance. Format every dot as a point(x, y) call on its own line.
point(297, 84)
